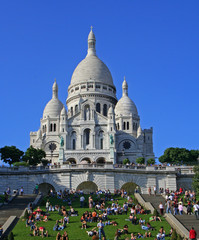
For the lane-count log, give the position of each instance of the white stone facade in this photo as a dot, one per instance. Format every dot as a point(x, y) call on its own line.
point(97, 128)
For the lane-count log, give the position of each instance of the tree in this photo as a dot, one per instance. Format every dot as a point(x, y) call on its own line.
point(140, 160)
point(150, 161)
point(11, 154)
point(196, 179)
point(11, 236)
point(23, 164)
point(125, 161)
point(174, 235)
point(179, 156)
point(34, 156)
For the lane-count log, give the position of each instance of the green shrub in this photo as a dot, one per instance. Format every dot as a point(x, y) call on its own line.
point(140, 160)
point(155, 212)
point(26, 215)
point(150, 161)
point(17, 164)
point(125, 161)
point(179, 237)
point(174, 235)
point(11, 236)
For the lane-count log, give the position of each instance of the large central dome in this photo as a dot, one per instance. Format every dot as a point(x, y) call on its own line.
point(91, 68)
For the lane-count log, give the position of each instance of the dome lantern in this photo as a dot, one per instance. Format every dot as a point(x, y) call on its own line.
point(125, 87)
point(91, 43)
point(55, 90)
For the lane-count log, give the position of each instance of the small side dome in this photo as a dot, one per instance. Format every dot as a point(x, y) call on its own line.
point(63, 111)
point(125, 106)
point(54, 106)
point(111, 110)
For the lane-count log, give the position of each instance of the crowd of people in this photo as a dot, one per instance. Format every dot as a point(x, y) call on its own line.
point(100, 206)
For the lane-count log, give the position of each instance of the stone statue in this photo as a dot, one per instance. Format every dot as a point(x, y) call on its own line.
point(111, 139)
point(61, 141)
point(87, 114)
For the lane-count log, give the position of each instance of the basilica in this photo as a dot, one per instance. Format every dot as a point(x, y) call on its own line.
point(96, 127)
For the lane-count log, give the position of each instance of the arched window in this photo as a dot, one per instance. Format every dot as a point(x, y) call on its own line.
point(74, 144)
point(124, 126)
point(98, 107)
point(101, 140)
point(73, 138)
point(118, 126)
point(133, 126)
point(51, 127)
point(54, 127)
point(101, 143)
point(45, 128)
point(76, 109)
point(87, 136)
point(105, 110)
point(127, 127)
point(71, 111)
point(136, 126)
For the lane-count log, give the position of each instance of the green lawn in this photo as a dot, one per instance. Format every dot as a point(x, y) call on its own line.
point(74, 227)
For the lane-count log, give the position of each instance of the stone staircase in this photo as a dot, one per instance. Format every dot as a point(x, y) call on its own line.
point(16, 207)
point(187, 221)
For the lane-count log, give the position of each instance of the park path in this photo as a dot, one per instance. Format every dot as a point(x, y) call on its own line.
point(15, 208)
point(187, 220)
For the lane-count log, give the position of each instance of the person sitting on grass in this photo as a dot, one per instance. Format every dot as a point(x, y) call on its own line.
point(37, 216)
point(149, 226)
point(56, 226)
point(147, 235)
point(64, 236)
point(45, 218)
point(35, 231)
point(161, 234)
point(114, 223)
point(84, 224)
point(141, 221)
point(125, 229)
point(154, 219)
point(91, 232)
point(139, 235)
point(58, 237)
point(66, 219)
point(62, 226)
point(117, 234)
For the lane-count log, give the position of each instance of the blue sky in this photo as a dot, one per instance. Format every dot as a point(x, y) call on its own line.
point(155, 44)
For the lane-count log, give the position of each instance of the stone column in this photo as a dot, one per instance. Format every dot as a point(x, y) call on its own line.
point(171, 182)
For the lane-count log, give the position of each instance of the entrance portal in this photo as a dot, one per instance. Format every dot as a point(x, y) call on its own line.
point(45, 188)
point(130, 187)
point(88, 187)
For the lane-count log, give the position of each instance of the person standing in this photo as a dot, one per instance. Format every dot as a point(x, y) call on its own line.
point(161, 208)
point(82, 198)
point(192, 234)
point(21, 191)
point(154, 190)
point(100, 226)
point(149, 191)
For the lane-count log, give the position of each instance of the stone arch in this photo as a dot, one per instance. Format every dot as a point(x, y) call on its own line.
point(101, 160)
point(130, 187)
point(87, 187)
point(85, 160)
point(71, 161)
point(45, 188)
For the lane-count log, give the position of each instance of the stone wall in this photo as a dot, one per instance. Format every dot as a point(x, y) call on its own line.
point(106, 177)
